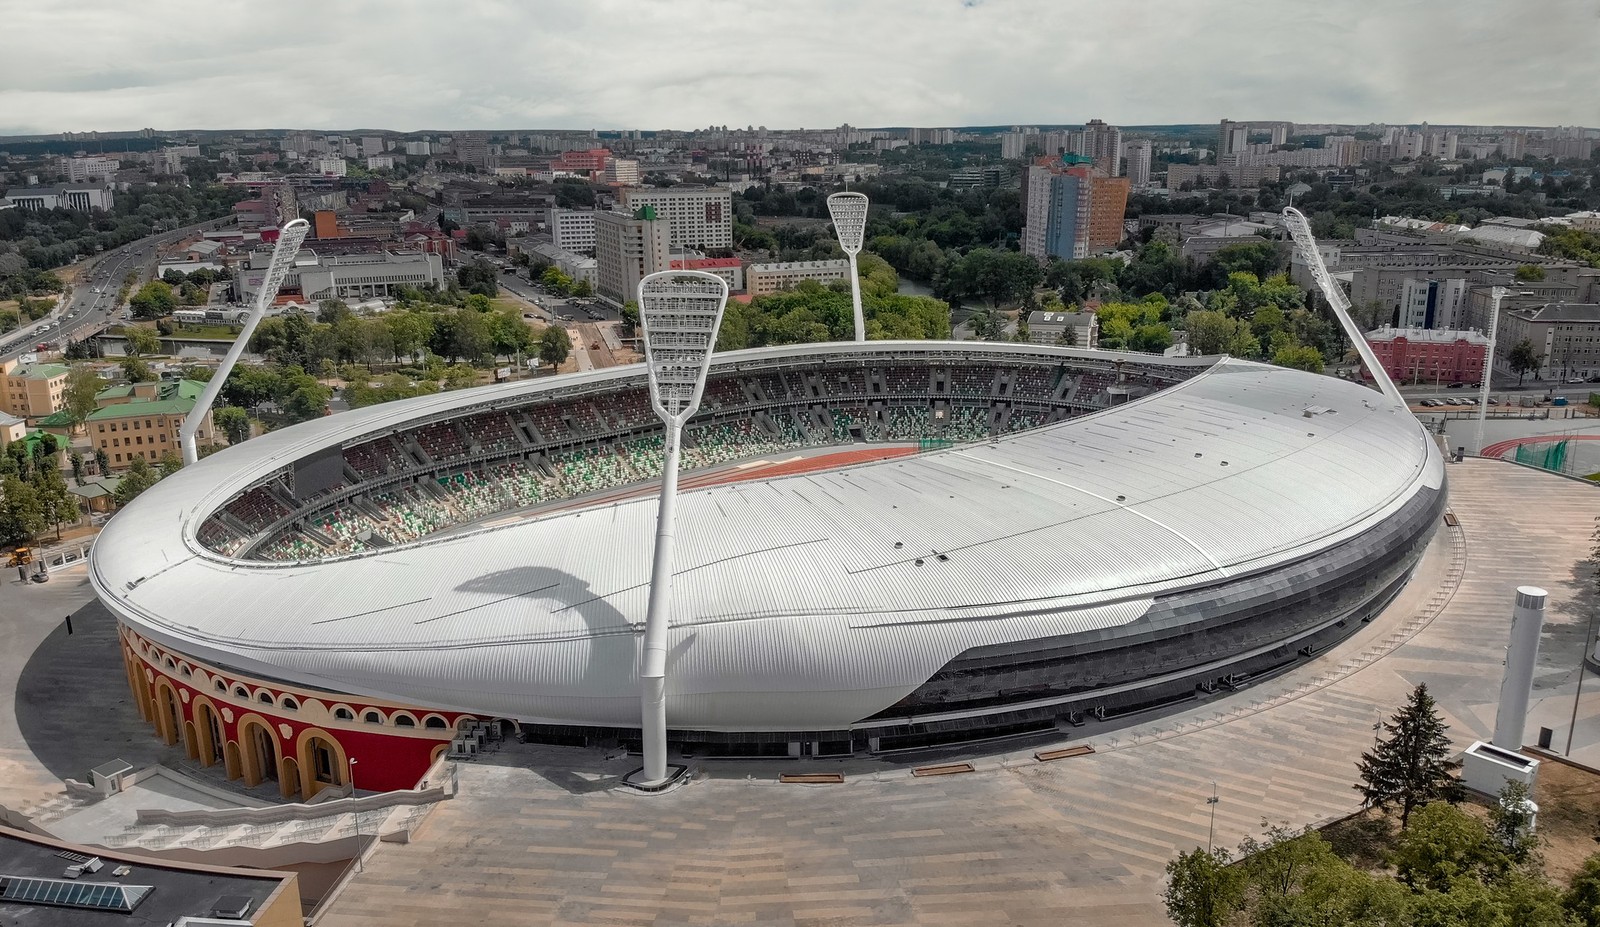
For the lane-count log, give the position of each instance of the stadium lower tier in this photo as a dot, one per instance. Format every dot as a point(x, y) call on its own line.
point(1189, 646)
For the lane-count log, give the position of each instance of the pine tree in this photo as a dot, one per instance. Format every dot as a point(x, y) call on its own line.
point(1411, 767)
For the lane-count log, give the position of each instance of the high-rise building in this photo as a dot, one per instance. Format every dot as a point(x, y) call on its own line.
point(1073, 210)
point(1232, 138)
point(419, 148)
point(1280, 133)
point(1137, 153)
point(700, 217)
point(1513, 145)
point(1435, 304)
point(1100, 143)
point(571, 229)
point(1013, 145)
point(627, 248)
point(623, 172)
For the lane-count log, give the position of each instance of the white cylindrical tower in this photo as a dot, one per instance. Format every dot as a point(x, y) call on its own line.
point(1527, 620)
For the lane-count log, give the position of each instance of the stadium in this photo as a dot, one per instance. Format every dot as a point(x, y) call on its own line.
point(882, 546)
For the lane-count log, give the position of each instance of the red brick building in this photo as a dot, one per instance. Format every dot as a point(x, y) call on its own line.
point(1424, 355)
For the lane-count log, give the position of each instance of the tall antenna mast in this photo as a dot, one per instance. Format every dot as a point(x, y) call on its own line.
point(289, 239)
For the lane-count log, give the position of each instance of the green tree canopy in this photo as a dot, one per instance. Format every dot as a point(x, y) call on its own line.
point(1410, 767)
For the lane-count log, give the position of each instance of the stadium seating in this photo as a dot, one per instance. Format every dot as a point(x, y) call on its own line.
point(621, 442)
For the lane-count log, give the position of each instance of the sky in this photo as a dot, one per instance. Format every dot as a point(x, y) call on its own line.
point(683, 64)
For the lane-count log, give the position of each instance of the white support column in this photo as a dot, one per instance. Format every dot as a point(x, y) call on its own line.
point(290, 238)
point(1527, 620)
point(679, 312)
point(1495, 295)
point(849, 214)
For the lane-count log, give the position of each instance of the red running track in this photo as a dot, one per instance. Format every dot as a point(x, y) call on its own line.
point(1501, 448)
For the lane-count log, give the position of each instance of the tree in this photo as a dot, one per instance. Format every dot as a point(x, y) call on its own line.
point(554, 345)
point(1203, 890)
point(154, 300)
point(1411, 767)
point(1583, 894)
point(1524, 359)
point(1511, 820)
point(21, 514)
point(330, 311)
point(140, 477)
point(308, 400)
point(1300, 357)
point(78, 396)
point(57, 504)
point(233, 422)
point(1530, 273)
point(1445, 844)
point(102, 463)
point(77, 467)
point(136, 370)
point(582, 289)
point(141, 341)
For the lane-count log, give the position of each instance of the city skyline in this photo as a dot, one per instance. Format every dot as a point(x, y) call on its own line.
point(504, 66)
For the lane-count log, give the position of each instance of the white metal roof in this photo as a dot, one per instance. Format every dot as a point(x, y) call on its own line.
point(785, 586)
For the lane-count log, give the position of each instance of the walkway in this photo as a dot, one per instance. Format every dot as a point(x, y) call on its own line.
point(1081, 841)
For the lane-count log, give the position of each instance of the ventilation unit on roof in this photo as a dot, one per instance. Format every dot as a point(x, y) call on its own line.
point(1319, 410)
point(230, 907)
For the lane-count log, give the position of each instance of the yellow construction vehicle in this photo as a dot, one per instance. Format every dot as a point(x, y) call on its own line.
point(22, 556)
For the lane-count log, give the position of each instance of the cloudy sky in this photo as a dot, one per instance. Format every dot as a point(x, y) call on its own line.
point(403, 65)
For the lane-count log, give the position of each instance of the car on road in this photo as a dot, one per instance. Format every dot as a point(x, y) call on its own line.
point(1456, 385)
point(1431, 403)
point(1576, 380)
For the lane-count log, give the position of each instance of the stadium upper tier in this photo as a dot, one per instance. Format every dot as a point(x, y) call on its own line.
point(1236, 508)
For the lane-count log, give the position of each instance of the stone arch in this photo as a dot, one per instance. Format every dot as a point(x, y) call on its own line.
point(437, 752)
point(168, 711)
point(323, 762)
point(259, 750)
point(210, 735)
point(232, 763)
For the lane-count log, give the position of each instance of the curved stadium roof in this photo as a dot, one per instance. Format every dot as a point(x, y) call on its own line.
point(784, 586)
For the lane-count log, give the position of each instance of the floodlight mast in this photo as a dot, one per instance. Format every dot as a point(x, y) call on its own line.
point(290, 238)
point(849, 214)
point(680, 312)
point(1305, 244)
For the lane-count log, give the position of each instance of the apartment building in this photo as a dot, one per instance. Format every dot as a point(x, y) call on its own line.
point(33, 390)
point(699, 217)
point(1565, 335)
point(627, 248)
point(1423, 355)
point(571, 229)
point(87, 170)
point(730, 270)
point(1137, 153)
point(762, 279)
point(1436, 304)
point(1072, 209)
point(142, 421)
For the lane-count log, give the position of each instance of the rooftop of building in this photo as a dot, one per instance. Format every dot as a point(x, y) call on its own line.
point(703, 263)
point(1436, 335)
point(1041, 317)
point(161, 390)
point(779, 266)
point(38, 372)
point(124, 889)
point(54, 189)
point(1560, 312)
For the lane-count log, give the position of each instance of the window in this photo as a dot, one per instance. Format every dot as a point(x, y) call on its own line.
point(220, 686)
point(404, 721)
point(372, 717)
point(289, 704)
point(241, 692)
point(265, 698)
point(435, 722)
point(343, 714)
point(119, 458)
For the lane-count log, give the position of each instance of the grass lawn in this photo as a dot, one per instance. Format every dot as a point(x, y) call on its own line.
point(218, 332)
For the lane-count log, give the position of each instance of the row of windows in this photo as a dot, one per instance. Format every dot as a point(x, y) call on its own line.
point(139, 439)
point(135, 455)
point(102, 428)
point(290, 703)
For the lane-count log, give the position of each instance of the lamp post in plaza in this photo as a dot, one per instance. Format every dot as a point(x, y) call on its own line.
point(1496, 294)
point(849, 214)
point(679, 312)
point(356, 816)
point(289, 240)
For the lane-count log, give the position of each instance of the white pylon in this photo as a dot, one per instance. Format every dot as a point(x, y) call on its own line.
point(849, 214)
point(680, 312)
point(290, 238)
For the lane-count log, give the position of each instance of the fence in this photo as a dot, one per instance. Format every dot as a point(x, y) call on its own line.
point(1548, 456)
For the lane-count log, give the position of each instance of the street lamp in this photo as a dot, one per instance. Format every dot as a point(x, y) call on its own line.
point(357, 813)
point(849, 214)
point(680, 312)
point(1496, 294)
point(1212, 801)
point(289, 239)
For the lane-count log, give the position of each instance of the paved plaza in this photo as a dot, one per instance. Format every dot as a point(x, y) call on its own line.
point(540, 837)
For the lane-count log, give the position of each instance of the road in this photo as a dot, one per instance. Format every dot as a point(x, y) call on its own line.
point(93, 304)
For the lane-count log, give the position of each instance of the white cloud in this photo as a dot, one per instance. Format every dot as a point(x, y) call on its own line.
point(685, 63)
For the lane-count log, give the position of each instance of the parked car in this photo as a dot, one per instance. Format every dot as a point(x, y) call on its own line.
point(1457, 385)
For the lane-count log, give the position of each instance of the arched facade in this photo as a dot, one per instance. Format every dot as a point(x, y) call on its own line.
point(261, 730)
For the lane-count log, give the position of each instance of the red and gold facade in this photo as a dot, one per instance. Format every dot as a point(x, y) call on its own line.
point(305, 739)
